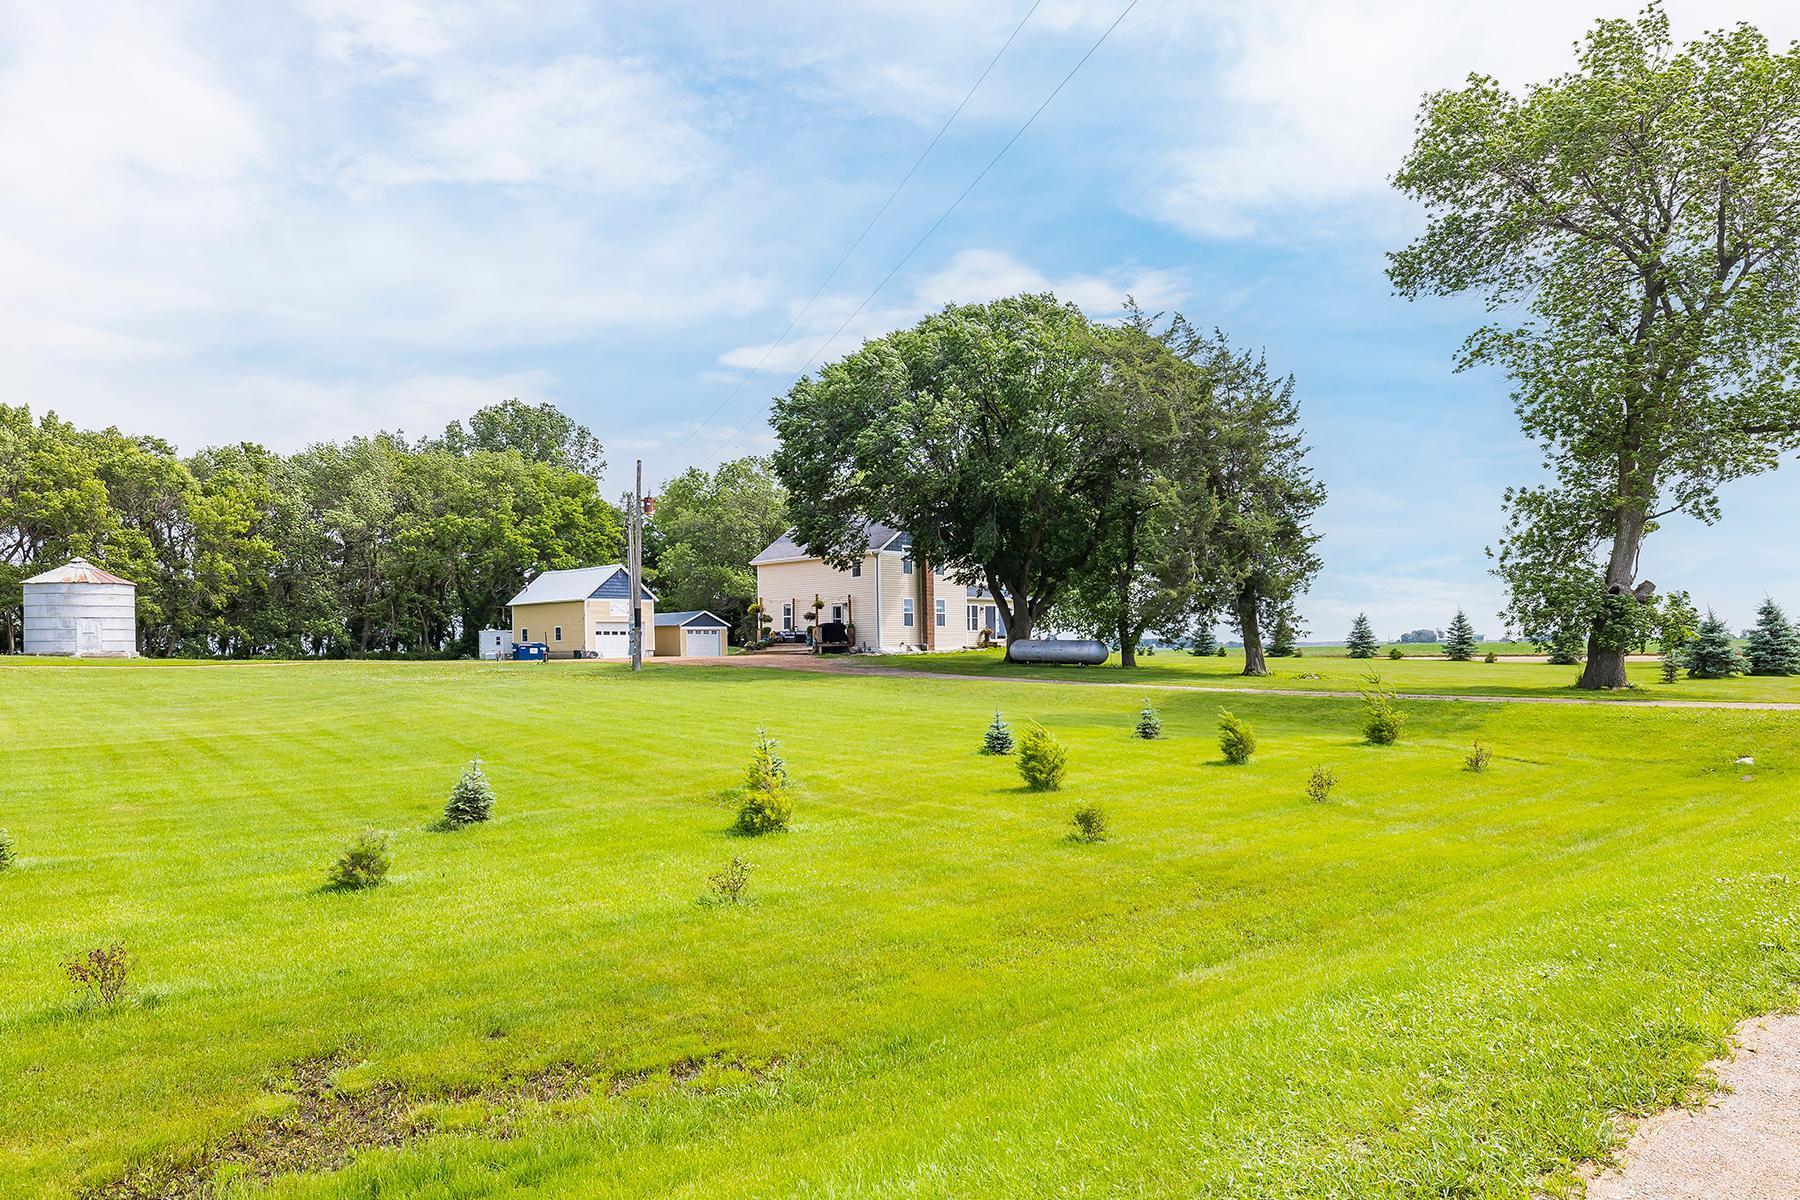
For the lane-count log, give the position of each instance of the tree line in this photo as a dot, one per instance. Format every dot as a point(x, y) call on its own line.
point(1115, 480)
point(375, 545)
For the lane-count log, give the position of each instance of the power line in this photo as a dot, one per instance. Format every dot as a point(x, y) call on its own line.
point(879, 213)
point(944, 216)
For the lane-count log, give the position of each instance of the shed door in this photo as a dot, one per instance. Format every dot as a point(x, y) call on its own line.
point(87, 635)
point(704, 642)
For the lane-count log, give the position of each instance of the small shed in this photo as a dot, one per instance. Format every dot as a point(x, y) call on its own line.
point(697, 634)
point(80, 611)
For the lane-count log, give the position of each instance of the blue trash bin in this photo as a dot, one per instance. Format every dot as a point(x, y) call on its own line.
point(531, 652)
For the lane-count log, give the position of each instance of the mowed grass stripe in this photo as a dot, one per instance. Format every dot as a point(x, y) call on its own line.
point(965, 1002)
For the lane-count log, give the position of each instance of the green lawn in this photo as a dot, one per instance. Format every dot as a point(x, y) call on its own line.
point(1436, 984)
point(1329, 670)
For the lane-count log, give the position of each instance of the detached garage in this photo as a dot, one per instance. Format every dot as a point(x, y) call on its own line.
point(690, 635)
point(584, 613)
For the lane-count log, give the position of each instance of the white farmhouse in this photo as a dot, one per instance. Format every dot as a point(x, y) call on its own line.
point(80, 611)
point(889, 601)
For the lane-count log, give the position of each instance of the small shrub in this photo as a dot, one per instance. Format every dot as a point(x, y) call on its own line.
point(101, 974)
point(1478, 758)
point(1320, 783)
point(729, 883)
point(1396, 653)
point(999, 738)
point(1381, 721)
point(1149, 724)
point(1236, 738)
point(8, 854)
point(1042, 759)
point(766, 807)
point(364, 863)
point(1490, 657)
point(1090, 823)
point(1219, 653)
point(471, 800)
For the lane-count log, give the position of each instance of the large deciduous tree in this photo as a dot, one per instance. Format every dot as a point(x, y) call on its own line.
point(1144, 571)
point(984, 431)
point(707, 528)
point(1643, 214)
point(1258, 554)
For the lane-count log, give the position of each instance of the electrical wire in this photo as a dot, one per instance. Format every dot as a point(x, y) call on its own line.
point(731, 439)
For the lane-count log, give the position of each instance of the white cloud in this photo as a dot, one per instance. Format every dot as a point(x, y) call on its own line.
point(604, 125)
point(1311, 107)
point(970, 277)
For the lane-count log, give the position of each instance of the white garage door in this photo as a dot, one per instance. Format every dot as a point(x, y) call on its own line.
point(704, 642)
point(613, 641)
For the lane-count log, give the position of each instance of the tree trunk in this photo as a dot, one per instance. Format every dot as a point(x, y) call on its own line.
point(1605, 668)
point(1015, 610)
point(1248, 625)
point(1127, 639)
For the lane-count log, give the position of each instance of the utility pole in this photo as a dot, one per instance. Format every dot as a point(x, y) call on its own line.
point(636, 539)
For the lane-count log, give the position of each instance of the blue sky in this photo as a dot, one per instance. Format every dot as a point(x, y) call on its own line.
point(284, 223)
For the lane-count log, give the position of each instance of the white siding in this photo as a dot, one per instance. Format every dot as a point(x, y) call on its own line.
point(878, 626)
point(81, 619)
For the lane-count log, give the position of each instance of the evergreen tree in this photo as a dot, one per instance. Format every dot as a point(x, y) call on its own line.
point(1206, 643)
point(1712, 655)
point(1459, 645)
point(1281, 642)
point(766, 807)
point(472, 799)
point(1149, 724)
point(1566, 645)
point(999, 739)
point(1361, 643)
point(1774, 643)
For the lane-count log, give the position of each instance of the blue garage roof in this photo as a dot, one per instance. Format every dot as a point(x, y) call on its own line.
point(697, 619)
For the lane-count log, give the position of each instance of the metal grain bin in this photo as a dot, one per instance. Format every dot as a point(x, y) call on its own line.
point(80, 611)
point(1079, 651)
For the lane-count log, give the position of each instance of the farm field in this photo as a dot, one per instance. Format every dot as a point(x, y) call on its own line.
point(1435, 983)
point(1333, 671)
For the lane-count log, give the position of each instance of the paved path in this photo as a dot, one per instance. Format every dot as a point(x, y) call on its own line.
point(842, 665)
point(1743, 1144)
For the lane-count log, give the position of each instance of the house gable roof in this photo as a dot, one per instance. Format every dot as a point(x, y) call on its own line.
point(695, 618)
point(876, 537)
point(582, 583)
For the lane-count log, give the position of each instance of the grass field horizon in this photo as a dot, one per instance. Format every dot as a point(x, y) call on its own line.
point(1337, 672)
point(1436, 983)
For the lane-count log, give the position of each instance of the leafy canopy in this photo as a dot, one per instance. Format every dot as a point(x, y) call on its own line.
point(1638, 214)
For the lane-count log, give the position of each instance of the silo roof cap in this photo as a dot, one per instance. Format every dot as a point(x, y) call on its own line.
point(78, 570)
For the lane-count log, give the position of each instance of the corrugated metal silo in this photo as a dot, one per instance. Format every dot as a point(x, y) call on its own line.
point(81, 611)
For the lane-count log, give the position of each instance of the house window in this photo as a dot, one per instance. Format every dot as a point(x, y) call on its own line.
point(787, 618)
point(974, 618)
point(940, 614)
point(524, 634)
point(837, 612)
point(559, 633)
point(856, 570)
point(906, 565)
point(906, 612)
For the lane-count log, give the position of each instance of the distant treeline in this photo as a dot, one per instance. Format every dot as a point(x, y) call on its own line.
point(375, 545)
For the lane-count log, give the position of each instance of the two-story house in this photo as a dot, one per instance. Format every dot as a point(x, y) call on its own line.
point(891, 601)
